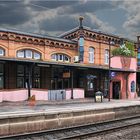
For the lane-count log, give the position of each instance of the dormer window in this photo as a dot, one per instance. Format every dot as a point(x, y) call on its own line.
point(31, 54)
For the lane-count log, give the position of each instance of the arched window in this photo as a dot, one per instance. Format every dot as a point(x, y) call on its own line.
point(31, 54)
point(106, 57)
point(91, 54)
point(133, 86)
point(2, 52)
point(60, 57)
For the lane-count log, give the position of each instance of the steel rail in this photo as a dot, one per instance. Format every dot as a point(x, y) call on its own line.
point(80, 128)
point(88, 134)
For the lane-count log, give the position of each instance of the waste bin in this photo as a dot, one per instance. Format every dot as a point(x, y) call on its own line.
point(98, 96)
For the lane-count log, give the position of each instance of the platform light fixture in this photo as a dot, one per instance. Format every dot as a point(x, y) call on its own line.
point(109, 72)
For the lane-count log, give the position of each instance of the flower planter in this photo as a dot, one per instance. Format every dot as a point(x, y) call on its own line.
point(126, 61)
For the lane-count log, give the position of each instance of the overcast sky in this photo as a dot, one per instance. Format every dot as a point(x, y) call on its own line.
point(54, 17)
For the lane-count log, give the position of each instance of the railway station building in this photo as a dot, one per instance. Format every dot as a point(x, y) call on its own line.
point(75, 64)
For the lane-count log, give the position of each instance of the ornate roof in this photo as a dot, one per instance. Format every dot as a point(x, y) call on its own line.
point(37, 35)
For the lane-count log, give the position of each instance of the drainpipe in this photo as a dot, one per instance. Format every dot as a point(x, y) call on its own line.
point(127, 85)
point(109, 72)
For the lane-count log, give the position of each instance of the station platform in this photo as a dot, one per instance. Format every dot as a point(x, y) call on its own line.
point(63, 105)
point(21, 117)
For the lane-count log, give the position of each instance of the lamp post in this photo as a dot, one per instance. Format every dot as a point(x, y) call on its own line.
point(29, 80)
point(71, 83)
point(109, 72)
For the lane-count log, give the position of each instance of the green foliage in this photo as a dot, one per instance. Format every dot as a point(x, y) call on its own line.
point(125, 50)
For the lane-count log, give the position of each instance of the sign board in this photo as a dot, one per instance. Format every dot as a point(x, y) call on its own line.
point(90, 76)
point(113, 74)
point(66, 75)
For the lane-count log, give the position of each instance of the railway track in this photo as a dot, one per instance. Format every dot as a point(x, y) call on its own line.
point(80, 131)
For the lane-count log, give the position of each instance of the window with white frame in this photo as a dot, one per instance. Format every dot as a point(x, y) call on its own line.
point(60, 57)
point(91, 54)
point(20, 54)
point(66, 58)
point(53, 57)
point(31, 54)
point(28, 53)
point(106, 57)
point(36, 55)
point(1, 52)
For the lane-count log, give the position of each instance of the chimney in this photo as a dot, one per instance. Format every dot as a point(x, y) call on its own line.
point(81, 22)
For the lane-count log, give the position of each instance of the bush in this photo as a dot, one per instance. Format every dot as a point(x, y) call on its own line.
point(125, 50)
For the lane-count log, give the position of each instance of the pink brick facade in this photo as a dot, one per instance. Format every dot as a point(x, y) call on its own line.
point(125, 78)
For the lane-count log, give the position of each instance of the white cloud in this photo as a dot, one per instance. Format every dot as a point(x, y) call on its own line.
point(132, 24)
point(37, 17)
point(103, 26)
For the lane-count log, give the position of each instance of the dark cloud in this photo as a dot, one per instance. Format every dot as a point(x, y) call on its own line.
point(13, 13)
point(52, 15)
point(64, 23)
point(59, 23)
point(17, 12)
point(52, 4)
point(89, 6)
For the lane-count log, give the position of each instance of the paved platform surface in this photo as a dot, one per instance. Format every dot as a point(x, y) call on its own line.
point(9, 108)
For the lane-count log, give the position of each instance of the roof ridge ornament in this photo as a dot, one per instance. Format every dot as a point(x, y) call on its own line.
point(81, 22)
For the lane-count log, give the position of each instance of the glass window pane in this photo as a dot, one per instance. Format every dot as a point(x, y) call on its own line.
point(132, 86)
point(91, 55)
point(53, 57)
point(20, 54)
point(1, 82)
point(139, 55)
point(60, 57)
point(81, 41)
point(20, 70)
point(91, 49)
point(36, 83)
point(1, 52)
point(106, 57)
point(66, 58)
point(1, 69)
point(37, 55)
point(90, 85)
point(28, 53)
point(66, 83)
point(27, 71)
point(37, 72)
point(20, 82)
